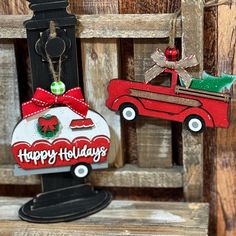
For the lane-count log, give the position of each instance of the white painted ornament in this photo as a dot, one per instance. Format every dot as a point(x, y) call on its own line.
point(79, 145)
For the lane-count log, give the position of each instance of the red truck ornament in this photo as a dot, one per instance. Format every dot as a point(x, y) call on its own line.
point(170, 92)
point(170, 101)
point(165, 97)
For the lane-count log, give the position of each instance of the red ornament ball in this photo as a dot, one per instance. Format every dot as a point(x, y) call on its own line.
point(172, 54)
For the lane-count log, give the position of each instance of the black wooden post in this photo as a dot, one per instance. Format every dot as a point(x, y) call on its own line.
point(64, 197)
point(38, 37)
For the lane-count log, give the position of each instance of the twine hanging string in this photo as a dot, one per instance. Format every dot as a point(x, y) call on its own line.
point(172, 29)
point(173, 20)
point(55, 74)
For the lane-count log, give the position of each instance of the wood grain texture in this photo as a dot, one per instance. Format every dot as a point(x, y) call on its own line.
point(165, 98)
point(210, 40)
point(154, 142)
point(100, 65)
point(149, 6)
point(133, 176)
point(9, 99)
point(93, 7)
point(127, 73)
point(7, 177)
point(14, 7)
point(128, 176)
point(102, 26)
point(100, 62)
point(225, 140)
point(209, 138)
point(192, 44)
point(119, 218)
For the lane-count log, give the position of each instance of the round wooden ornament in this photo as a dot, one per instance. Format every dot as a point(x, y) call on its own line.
point(79, 140)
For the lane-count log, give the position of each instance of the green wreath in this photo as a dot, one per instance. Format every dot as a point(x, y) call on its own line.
point(48, 130)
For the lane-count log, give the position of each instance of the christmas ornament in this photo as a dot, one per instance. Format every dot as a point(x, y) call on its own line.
point(62, 136)
point(40, 143)
point(194, 102)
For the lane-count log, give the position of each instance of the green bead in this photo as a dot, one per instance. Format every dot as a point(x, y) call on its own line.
point(58, 88)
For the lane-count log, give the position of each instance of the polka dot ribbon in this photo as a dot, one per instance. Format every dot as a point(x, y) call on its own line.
point(43, 100)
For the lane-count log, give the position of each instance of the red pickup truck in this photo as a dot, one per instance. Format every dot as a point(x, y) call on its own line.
point(164, 97)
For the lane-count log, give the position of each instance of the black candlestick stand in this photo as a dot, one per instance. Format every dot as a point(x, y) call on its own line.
point(64, 197)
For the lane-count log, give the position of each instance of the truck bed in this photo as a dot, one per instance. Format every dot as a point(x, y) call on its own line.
point(200, 93)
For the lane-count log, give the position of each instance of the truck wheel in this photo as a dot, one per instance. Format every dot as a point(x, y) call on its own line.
point(195, 124)
point(128, 112)
point(81, 170)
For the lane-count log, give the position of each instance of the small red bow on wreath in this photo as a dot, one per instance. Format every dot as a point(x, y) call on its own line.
point(43, 100)
point(48, 124)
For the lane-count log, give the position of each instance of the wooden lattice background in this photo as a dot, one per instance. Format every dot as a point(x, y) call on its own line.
point(129, 58)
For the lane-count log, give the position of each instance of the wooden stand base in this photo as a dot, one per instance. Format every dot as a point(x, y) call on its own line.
point(65, 204)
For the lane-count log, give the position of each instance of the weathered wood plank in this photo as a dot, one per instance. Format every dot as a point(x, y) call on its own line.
point(154, 142)
point(128, 176)
point(9, 99)
point(149, 6)
point(127, 73)
point(7, 177)
point(210, 65)
point(119, 218)
point(192, 44)
point(93, 7)
point(102, 26)
point(133, 176)
point(100, 62)
point(14, 7)
point(225, 138)
point(100, 65)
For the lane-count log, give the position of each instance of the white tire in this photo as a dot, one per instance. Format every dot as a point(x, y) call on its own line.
point(81, 171)
point(195, 124)
point(128, 113)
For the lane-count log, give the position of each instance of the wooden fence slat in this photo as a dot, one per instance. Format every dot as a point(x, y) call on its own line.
point(100, 65)
point(119, 218)
point(14, 7)
point(225, 171)
point(102, 26)
point(154, 143)
point(9, 100)
point(192, 44)
point(127, 176)
point(100, 59)
point(148, 6)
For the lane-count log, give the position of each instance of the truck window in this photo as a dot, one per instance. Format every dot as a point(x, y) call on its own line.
point(164, 79)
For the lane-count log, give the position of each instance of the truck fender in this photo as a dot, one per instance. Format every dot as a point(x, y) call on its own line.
point(199, 112)
point(127, 99)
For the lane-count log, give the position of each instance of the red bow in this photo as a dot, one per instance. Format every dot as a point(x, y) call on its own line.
point(48, 124)
point(43, 100)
